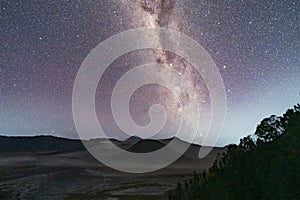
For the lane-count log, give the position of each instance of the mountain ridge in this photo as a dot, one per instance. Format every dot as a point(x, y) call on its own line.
point(50, 143)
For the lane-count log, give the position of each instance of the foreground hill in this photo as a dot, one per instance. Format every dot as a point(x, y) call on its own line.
point(263, 166)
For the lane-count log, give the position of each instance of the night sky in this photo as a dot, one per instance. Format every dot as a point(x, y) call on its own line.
point(255, 44)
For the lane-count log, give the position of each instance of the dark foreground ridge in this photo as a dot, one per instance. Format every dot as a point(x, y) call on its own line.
point(263, 166)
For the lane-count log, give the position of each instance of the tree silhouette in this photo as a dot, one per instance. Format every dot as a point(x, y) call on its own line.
point(269, 129)
point(263, 166)
point(247, 143)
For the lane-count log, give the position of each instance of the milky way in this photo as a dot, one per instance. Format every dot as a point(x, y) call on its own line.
point(255, 45)
point(158, 14)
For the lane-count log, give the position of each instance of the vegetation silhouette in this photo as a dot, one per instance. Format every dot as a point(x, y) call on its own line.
point(264, 165)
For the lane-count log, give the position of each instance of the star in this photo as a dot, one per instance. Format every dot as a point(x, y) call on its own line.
point(255, 46)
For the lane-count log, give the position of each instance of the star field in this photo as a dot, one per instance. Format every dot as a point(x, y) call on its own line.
point(255, 44)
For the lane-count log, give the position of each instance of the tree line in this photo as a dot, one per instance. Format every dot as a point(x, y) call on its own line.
point(264, 165)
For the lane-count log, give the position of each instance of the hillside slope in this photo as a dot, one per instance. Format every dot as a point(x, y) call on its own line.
point(255, 169)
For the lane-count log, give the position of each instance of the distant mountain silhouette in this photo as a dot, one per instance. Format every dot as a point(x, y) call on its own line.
point(39, 144)
point(145, 146)
point(52, 144)
point(133, 140)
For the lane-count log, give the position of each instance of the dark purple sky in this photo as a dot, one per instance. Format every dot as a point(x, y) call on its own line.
point(255, 44)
